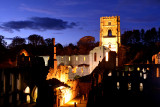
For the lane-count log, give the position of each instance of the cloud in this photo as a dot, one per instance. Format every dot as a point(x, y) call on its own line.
point(24, 7)
point(37, 23)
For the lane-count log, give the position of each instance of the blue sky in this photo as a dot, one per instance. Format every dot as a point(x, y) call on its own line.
point(69, 20)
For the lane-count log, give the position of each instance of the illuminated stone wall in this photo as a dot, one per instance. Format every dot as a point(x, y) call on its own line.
point(156, 58)
point(73, 60)
point(83, 64)
point(96, 55)
point(110, 32)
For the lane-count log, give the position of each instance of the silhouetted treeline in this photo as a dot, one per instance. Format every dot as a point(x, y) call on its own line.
point(140, 45)
point(141, 37)
point(39, 45)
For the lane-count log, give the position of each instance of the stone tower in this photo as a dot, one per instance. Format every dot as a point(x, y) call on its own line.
point(110, 32)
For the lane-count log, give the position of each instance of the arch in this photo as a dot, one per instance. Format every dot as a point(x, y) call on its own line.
point(109, 32)
point(23, 52)
point(27, 90)
point(27, 93)
point(34, 93)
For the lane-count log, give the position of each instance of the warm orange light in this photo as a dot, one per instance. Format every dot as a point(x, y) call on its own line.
point(84, 58)
point(67, 95)
point(28, 98)
point(24, 52)
point(138, 69)
point(157, 73)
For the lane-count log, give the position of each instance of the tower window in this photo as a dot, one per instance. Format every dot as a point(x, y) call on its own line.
point(109, 33)
point(109, 23)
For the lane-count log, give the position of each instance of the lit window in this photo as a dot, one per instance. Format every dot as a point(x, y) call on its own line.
point(69, 58)
point(76, 58)
point(141, 86)
point(118, 86)
point(106, 56)
point(141, 74)
point(144, 76)
point(157, 73)
point(28, 98)
point(129, 86)
point(27, 90)
point(144, 71)
point(129, 74)
point(84, 58)
point(123, 74)
point(110, 74)
point(138, 69)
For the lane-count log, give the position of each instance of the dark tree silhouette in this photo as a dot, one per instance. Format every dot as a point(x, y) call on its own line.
point(48, 41)
point(36, 40)
point(59, 49)
point(2, 42)
point(17, 41)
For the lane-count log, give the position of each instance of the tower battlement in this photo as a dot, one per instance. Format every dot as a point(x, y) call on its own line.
point(110, 32)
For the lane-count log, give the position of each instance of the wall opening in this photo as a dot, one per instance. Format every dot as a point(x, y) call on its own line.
point(95, 56)
point(109, 33)
point(34, 94)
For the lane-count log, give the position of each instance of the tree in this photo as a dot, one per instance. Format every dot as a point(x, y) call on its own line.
point(154, 34)
point(17, 41)
point(36, 40)
point(48, 42)
point(59, 49)
point(2, 42)
point(85, 44)
point(126, 37)
point(136, 35)
point(147, 37)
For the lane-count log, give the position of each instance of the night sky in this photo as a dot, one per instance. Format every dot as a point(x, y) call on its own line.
point(69, 20)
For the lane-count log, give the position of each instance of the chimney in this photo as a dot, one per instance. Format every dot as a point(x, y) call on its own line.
point(54, 53)
point(52, 62)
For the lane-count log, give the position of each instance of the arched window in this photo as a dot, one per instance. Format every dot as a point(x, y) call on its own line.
point(95, 56)
point(109, 33)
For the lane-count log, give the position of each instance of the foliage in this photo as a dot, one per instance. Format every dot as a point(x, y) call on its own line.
point(48, 42)
point(17, 41)
point(36, 40)
point(2, 42)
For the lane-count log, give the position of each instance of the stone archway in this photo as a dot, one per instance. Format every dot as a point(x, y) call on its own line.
point(27, 94)
point(34, 94)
